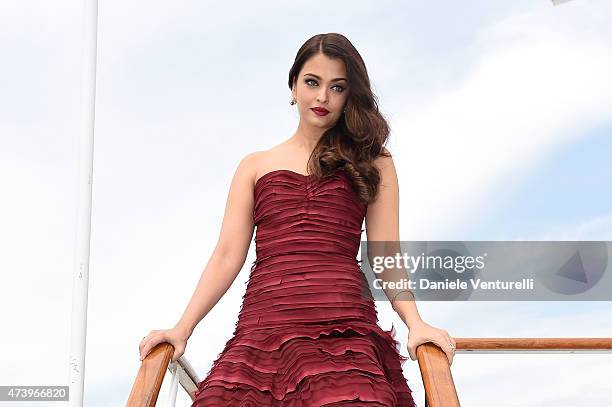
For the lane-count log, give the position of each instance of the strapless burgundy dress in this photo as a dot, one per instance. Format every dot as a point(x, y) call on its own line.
point(306, 334)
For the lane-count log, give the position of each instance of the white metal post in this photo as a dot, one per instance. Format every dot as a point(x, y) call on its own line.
point(173, 384)
point(80, 279)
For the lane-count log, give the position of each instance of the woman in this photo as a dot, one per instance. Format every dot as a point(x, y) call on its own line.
point(306, 335)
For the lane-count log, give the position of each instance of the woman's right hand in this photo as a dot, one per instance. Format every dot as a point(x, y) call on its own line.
point(176, 337)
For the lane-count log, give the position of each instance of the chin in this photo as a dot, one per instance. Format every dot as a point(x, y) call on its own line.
point(318, 123)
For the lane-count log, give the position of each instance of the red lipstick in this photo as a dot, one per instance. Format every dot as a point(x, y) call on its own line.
point(320, 111)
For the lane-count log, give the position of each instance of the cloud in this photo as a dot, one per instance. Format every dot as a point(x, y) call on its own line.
point(536, 86)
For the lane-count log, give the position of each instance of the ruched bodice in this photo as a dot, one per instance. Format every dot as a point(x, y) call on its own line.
point(307, 332)
point(295, 214)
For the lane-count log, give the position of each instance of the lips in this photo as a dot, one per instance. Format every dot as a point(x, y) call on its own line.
point(320, 111)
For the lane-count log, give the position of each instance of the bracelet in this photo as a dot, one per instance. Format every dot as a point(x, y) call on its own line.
point(398, 293)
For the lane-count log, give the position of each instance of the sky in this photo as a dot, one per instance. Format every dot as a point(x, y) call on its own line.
point(501, 122)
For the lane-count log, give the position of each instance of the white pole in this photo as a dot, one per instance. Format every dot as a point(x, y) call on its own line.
point(173, 384)
point(80, 279)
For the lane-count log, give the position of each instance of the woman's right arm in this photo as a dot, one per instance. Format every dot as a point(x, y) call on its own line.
point(231, 250)
point(224, 264)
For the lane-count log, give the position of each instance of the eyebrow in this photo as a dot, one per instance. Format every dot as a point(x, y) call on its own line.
point(318, 77)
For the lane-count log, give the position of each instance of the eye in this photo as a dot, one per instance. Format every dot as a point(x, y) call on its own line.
point(341, 88)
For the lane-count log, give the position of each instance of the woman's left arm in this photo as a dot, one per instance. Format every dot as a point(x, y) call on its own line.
point(382, 225)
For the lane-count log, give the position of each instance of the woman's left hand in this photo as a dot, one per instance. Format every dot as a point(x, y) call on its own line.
point(421, 332)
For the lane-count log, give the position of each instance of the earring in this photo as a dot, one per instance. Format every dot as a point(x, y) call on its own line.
point(293, 102)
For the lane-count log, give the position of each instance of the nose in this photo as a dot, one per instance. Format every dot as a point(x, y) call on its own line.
point(322, 95)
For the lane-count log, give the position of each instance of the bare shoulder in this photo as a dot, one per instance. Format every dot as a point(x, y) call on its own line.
point(249, 165)
point(383, 161)
point(257, 163)
point(382, 216)
point(386, 167)
point(281, 156)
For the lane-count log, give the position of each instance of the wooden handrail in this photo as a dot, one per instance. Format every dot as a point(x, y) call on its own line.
point(538, 345)
point(437, 378)
point(150, 376)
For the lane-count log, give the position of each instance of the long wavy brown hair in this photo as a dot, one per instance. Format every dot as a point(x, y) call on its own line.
point(361, 132)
